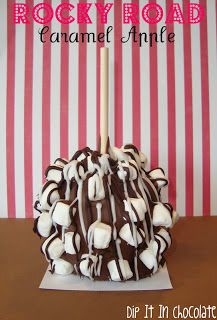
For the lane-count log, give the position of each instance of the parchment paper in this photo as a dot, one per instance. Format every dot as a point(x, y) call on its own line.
point(159, 281)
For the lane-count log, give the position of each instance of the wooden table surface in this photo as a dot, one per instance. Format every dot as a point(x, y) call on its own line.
point(192, 264)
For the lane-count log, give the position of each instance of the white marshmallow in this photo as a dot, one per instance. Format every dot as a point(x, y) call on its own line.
point(95, 188)
point(87, 270)
point(124, 267)
point(56, 249)
point(158, 174)
point(44, 224)
point(148, 256)
point(62, 267)
point(61, 162)
point(134, 155)
point(126, 234)
point(140, 207)
point(54, 174)
point(73, 170)
point(119, 155)
point(162, 243)
point(53, 197)
point(61, 214)
point(100, 234)
point(165, 235)
point(161, 216)
point(81, 157)
point(45, 243)
point(68, 244)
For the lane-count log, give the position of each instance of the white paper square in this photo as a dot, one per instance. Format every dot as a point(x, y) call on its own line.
point(159, 281)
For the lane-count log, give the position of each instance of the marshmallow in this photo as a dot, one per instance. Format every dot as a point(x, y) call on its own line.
point(165, 234)
point(158, 174)
point(54, 173)
point(47, 243)
point(138, 204)
point(61, 162)
point(73, 169)
point(44, 224)
point(148, 256)
point(124, 268)
point(161, 216)
point(56, 249)
point(62, 267)
point(119, 155)
point(81, 157)
point(69, 243)
point(49, 195)
point(162, 243)
point(126, 234)
point(61, 214)
point(132, 152)
point(95, 188)
point(100, 233)
point(88, 265)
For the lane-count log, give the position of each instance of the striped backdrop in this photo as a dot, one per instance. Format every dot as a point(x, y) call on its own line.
point(163, 99)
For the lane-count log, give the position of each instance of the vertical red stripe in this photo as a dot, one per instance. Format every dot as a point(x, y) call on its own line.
point(205, 113)
point(136, 89)
point(118, 103)
point(100, 28)
point(189, 181)
point(10, 111)
point(46, 79)
point(28, 117)
point(64, 92)
point(171, 114)
point(82, 89)
point(154, 99)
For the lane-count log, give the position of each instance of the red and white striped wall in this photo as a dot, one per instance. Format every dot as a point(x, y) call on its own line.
point(163, 99)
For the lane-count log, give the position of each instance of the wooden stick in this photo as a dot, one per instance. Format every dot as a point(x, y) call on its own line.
point(104, 76)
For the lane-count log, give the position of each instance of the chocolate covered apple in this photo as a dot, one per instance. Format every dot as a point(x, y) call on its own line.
point(100, 213)
point(102, 217)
